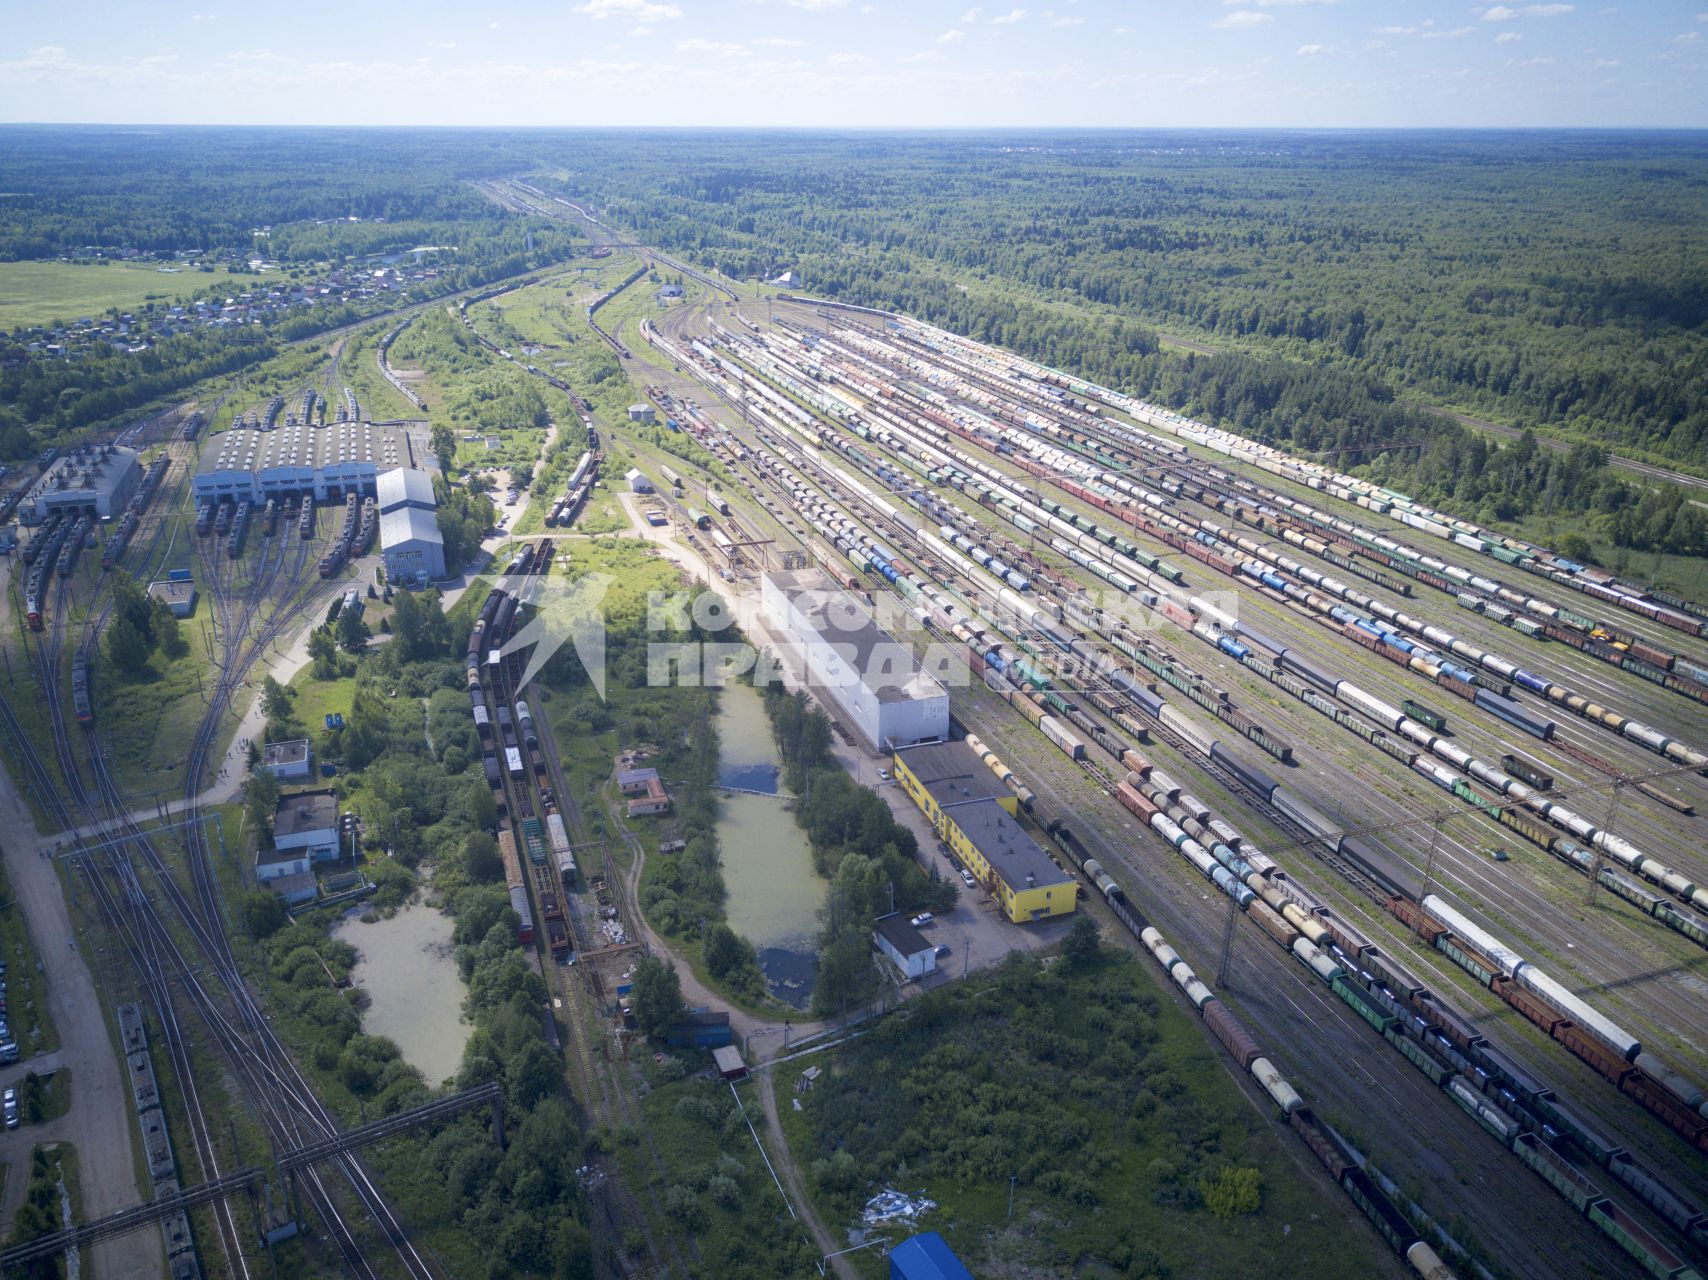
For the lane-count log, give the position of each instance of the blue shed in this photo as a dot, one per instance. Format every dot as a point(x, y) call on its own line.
point(926, 1257)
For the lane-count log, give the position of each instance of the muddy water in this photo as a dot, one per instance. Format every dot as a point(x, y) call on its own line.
point(405, 966)
point(774, 893)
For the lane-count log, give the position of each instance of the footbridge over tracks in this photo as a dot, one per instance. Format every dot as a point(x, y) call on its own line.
point(289, 1162)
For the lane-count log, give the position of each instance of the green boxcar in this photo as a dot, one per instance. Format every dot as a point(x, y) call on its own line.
point(1423, 715)
point(1464, 961)
point(1417, 1055)
point(1556, 1172)
point(1635, 1241)
point(1363, 1005)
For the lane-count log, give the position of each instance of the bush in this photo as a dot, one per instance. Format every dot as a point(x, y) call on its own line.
point(1233, 1191)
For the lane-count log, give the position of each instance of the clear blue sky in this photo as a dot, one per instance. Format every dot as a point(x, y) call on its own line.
point(871, 63)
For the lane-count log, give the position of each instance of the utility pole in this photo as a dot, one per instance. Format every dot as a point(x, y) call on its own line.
point(1429, 864)
point(1595, 859)
point(1225, 969)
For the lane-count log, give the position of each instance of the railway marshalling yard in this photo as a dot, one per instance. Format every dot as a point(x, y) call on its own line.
point(1643, 975)
point(832, 420)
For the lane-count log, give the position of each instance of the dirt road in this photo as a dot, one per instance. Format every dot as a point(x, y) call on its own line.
point(99, 1125)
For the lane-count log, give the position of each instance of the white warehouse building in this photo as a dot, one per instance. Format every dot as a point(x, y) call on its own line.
point(411, 544)
point(96, 479)
point(327, 461)
point(873, 680)
point(410, 541)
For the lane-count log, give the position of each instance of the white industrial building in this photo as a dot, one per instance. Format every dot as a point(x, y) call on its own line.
point(873, 680)
point(327, 461)
point(287, 761)
point(412, 545)
point(905, 946)
point(276, 864)
point(306, 824)
point(638, 483)
point(405, 487)
point(97, 478)
point(410, 541)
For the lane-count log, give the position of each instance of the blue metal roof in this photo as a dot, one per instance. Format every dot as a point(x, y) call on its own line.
point(926, 1257)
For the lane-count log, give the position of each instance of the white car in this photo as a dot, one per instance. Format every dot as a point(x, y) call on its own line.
point(11, 1108)
point(967, 878)
point(924, 917)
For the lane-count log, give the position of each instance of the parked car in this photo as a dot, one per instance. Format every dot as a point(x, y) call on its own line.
point(9, 1051)
point(10, 1104)
point(884, 775)
point(967, 878)
point(924, 917)
point(943, 949)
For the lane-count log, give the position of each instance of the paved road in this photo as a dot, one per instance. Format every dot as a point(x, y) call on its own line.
point(99, 1125)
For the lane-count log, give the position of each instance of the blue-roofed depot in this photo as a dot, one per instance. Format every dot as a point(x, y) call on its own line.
point(926, 1257)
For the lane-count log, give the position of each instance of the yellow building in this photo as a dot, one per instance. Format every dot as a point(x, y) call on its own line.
point(974, 814)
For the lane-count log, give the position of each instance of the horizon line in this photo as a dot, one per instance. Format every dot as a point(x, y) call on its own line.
point(881, 129)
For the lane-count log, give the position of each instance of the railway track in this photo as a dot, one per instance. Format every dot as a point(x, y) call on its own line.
point(277, 1091)
point(1344, 871)
point(522, 796)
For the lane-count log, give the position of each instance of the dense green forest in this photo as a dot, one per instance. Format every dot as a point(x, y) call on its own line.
point(1552, 280)
point(1337, 282)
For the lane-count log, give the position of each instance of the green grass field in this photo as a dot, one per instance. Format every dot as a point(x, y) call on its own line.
point(37, 293)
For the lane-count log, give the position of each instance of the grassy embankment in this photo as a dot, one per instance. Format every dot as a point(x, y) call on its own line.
point(1131, 1149)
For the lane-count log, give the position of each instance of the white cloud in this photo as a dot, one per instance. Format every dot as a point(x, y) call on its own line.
point(924, 55)
point(849, 60)
point(1013, 15)
point(816, 6)
point(1504, 13)
point(1689, 37)
point(634, 10)
point(971, 15)
point(1125, 31)
point(1243, 18)
point(1447, 35)
point(1541, 60)
point(951, 36)
point(1602, 63)
point(717, 48)
point(1276, 4)
point(1067, 22)
point(1310, 50)
point(779, 42)
point(203, 17)
point(1508, 37)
